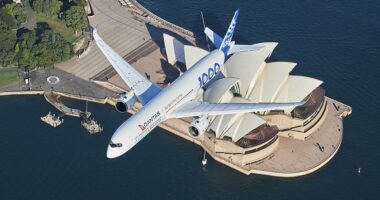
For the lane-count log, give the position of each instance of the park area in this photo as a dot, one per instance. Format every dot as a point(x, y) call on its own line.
point(8, 76)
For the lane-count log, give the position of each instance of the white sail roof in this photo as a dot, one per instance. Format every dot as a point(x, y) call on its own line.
point(270, 81)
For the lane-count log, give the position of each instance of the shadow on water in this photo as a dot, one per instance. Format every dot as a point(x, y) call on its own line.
point(217, 26)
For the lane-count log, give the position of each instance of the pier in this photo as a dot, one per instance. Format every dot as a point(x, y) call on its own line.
point(53, 99)
point(52, 120)
point(92, 126)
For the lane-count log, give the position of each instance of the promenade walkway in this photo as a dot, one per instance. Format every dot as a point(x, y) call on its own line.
point(68, 84)
point(293, 158)
point(118, 28)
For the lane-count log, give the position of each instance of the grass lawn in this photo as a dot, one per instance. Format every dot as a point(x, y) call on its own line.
point(57, 26)
point(8, 76)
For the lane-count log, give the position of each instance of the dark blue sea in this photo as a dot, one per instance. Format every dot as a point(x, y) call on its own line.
point(334, 41)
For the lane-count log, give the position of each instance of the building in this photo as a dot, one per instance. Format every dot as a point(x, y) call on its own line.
point(247, 77)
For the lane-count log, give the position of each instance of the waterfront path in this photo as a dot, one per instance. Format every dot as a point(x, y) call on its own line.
point(293, 157)
point(68, 84)
point(118, 28)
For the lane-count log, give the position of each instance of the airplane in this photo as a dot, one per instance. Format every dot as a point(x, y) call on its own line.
point(178, 99)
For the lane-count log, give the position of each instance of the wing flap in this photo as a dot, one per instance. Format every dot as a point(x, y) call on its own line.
point(195, 108)
point(242, 48)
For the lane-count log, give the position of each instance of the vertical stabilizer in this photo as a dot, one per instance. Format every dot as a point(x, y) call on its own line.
point(226, 43)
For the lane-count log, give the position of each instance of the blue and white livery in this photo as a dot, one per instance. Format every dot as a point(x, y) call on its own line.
point(177, 100)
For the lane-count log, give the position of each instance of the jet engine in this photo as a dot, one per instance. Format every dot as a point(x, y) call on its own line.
point(125, 102)
point(198, 126)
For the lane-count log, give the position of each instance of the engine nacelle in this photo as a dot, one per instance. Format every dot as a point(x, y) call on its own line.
point(125, 102)
point(198, 126)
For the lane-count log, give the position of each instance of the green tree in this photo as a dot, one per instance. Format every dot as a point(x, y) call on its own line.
point(80, 2)
point(19, 14)
point(7, 43)
point(67, 52)
point(23, 49)
point(47, 7)
point(8, 19)
point(76, 18)
point(51, 49)
point(16, 11)
point(9, 8)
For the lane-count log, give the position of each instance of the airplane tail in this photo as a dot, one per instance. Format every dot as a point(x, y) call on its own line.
point(226, 42)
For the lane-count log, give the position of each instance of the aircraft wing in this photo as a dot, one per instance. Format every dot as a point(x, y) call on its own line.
point(242, 48)
point(140, 85)
point(197, 108)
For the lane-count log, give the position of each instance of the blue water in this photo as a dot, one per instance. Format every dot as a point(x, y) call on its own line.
point(334, 41)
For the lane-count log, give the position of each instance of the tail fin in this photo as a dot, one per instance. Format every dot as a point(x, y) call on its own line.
point(226, 43)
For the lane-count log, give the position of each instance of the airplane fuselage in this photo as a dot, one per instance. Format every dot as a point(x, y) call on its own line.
point(182, 90)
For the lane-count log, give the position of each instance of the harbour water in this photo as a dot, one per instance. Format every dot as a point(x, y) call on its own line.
point(336, 42)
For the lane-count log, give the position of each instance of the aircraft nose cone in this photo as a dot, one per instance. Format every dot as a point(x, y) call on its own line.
point(113, 153)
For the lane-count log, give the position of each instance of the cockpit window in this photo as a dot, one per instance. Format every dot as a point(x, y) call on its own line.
point(115, 145)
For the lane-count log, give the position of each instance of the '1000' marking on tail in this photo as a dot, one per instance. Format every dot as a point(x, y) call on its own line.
point(207, 76)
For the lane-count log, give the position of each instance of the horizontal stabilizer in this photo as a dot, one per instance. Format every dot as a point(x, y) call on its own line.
point(196, 108)
point(214, 38)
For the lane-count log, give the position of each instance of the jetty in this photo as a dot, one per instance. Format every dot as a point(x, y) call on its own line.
point(53, 99)
point(52, 120)
point(92, 126)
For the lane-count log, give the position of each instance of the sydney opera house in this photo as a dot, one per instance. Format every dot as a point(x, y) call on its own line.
point(247, 139)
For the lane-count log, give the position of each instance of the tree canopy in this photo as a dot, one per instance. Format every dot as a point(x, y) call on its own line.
point(41, 47)
point(7, 42)
point(41, 50)
point(7, 19)
point(76, 18)
point(36, 48)
point(47, 7)
point(16, 11)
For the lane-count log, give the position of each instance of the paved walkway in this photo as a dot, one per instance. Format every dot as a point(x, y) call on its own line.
point(31, 22)
point(136, 38)
point(68, 83)
point(118, 28)
point(295, 156)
